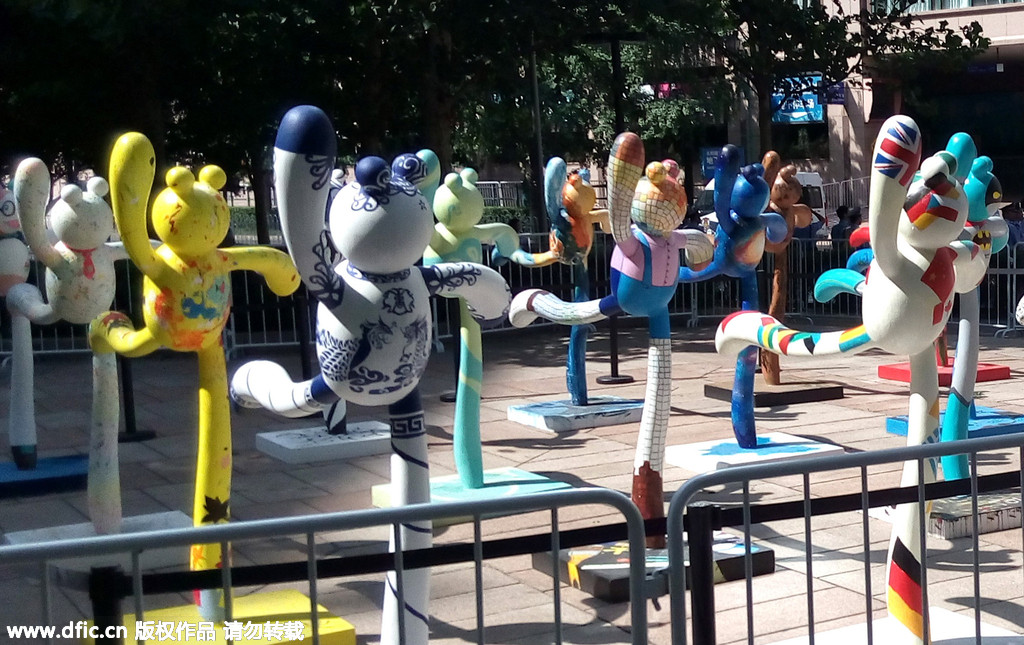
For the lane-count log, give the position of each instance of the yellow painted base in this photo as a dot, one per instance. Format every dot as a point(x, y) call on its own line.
point(274, 607)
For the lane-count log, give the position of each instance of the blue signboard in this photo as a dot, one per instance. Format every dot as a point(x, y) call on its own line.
point(836, 94)
point(709, 157)
point(805, 108)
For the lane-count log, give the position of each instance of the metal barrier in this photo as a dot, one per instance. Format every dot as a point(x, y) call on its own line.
point(259, 319)
point(849, 192)
point(116, 585)
point(701, 519)
point(502, 193)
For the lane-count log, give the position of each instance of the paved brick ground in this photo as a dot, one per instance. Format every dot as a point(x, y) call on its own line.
point(522, 367)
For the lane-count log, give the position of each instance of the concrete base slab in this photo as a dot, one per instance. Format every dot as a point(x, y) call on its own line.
point(602, 570)
point(986, 372)
point(564, 416)
point(307, 445)
point(51, 475)
point(951, 518)
point(707, 456)
point(946, 627)
point(151, 559)
point(499, 482)
point(767, 396)
point(287, 613)
point(987, 423)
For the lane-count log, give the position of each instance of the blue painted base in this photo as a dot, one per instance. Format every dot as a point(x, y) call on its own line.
point(51, 475)
point(988, 422)
point(563, 416)
point(707, 456)
point(499, 482)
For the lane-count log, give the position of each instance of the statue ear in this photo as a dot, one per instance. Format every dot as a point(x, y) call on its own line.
point(71, 194)
point(454, 182)
point(469, 176)
point(214, 176)
point(180, 180)
point(98, 186)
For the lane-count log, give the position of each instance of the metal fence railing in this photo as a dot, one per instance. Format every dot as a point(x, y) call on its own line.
point(849, 193)
point(110, 586)
point(261, 319)
point(508, 194)
point(701, 517)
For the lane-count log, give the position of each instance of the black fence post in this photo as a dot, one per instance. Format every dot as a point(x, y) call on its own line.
point(124, 368)
point(104, 594)
point(305, 337)
point(702, 520)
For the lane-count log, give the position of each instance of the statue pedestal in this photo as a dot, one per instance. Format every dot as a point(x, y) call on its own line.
point(986, 372)
point(767, 396)
point(564, 416)
point(307, 445)
point(707, 456)
point(280, 609)
point(150, 559)
point(951, 518)
point(602, 570)
point(51, 475)
point(946, 628)
point(499, 482)
point(987, 422)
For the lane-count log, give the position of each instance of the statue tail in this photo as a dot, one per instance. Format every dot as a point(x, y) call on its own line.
point(745, 328)
point(531, 304)
point(265, 384)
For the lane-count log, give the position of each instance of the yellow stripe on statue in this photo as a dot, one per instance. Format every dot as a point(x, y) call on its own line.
point(907, 617)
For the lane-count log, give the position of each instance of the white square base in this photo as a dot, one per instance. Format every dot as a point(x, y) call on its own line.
point(151, 559)
point(564, 416)
point(708, 456)
point(307, 445)
point(947, 628)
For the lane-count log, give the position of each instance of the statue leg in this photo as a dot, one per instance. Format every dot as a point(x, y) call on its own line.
point(468, 456)
point(906, 559)
point(530, 304)
point(648, 488)
point(104, 483)
point(410, 484)
point(26, 306)
point(211, 504)
point(961, 391)
point(22, 422)
point(576, 367)
point(743, 380)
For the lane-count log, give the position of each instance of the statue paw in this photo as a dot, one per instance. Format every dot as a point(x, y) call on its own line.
point(101, 327)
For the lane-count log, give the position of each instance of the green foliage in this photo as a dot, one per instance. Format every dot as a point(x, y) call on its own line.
point(209, 82)
point(518, 217)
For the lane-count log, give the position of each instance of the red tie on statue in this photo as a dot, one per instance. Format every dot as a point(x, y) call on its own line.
point(88, 267)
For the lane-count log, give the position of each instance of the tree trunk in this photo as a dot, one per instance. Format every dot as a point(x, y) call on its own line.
point(439, 109)
point(763, 89)
point(261, 181)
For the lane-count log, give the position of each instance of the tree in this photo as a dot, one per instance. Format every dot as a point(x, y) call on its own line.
point(773, 46)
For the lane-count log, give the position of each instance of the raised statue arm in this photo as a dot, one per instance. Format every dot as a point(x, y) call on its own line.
point(727, 168)
point(304, 155)
point(625, 167)
point(896, 157)
point(132, 170)
point(31, 193)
